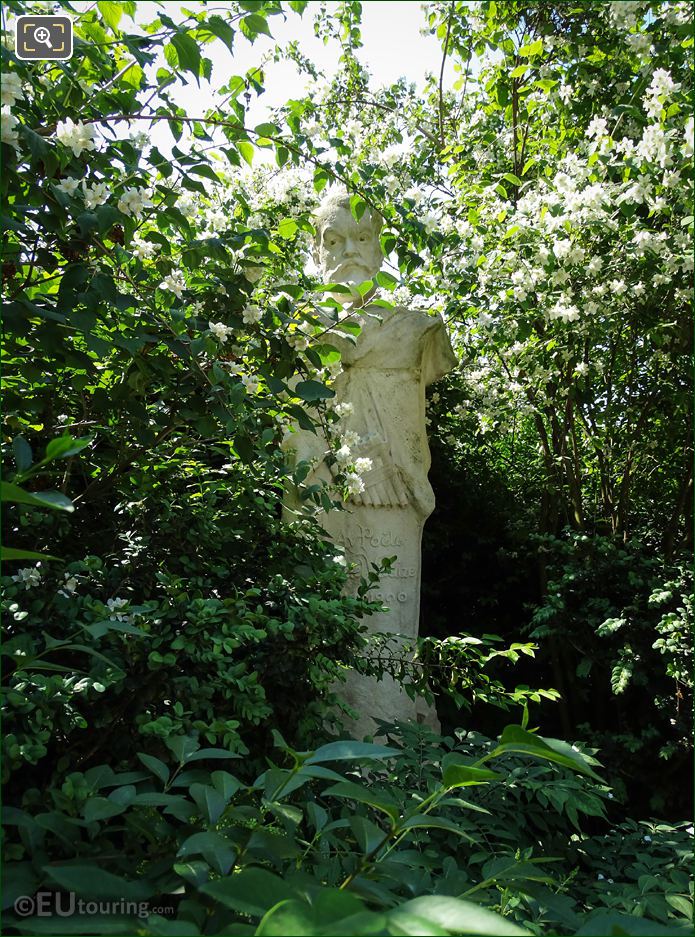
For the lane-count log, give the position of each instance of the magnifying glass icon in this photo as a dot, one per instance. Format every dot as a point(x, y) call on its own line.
point(42, 35)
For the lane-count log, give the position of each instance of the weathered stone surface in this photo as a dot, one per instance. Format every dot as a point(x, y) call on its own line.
point(384, 376)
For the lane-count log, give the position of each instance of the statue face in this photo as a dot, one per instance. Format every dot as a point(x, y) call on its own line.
point(348, 250)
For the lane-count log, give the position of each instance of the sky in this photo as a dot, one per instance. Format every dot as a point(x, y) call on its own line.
point(392, 48)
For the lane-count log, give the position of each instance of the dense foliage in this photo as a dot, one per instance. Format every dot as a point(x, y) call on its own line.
point(165, 616)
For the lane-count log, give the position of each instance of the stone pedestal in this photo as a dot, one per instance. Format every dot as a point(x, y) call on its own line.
point(369, 534)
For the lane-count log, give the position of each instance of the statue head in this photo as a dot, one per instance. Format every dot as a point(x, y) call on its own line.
point(346, 251)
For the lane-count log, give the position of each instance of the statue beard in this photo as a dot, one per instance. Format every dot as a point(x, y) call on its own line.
point(349, 271)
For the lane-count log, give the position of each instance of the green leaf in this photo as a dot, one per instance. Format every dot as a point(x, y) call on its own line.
point(188, 52)
point(226, 784)
point(533, 48)
point(246, 150)
point(287, 227)
point(358, 206)
point(214, 754)
point(157, 767)
point(209, 800)
point(111, 13)
point(457, 917)
point(329, 913)
point(101, 808)
point(311, 391)
point(423, 821)
point(93, 882)
point(519, 71)
point(99, 628)
point(22, 453)
point(251, 891)
point(252, 25)
point(182, 746)
point(386, 280)
point(458, 774)
point(64, 446)
point(10, 553)
point(42, 499)
point(518, 740)
point(213, 847)
point(627, 925)
point(88, 924)
point(266, 130)
point(350, 750)
point(363, 795)
point(107, 217)
point(222, 30)
point(367, 834)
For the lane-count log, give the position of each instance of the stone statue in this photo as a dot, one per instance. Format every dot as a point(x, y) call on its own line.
point(380, 393)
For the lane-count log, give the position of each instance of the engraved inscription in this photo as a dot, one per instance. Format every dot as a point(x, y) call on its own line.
point(367, 537)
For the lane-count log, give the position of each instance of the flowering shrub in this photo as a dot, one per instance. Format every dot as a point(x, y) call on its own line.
point(166, 336)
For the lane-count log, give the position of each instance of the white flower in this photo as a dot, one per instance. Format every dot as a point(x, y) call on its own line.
point(220, 331)
point(350, 438)
point(144, 250)
point(597, 128)
point(343, 454)
point(96, 194)
point(114, 606)
point(429, 221)
point(134, 201)
point(187, 206)
point(77, 136)
point(618, 287)
point(363, 465)
point(564, 311)
point(354, 483)
point(9, 123)
point(340, 560)
point(393, 154)
point(688, 146)
point(298, 341)
point(594, 265)
point(565, 92)
point(581, 368)
point(69, 586)
point(174, 282)
point(11, 89)
point(415, 194)
point(29, 576)
point(561, 249)
point(139, 139)
point(69, 186)
point(250, 383)
point(662, 84)
point(343, 409)
point(647, 838)
point(638, 42)
point(252, 314)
